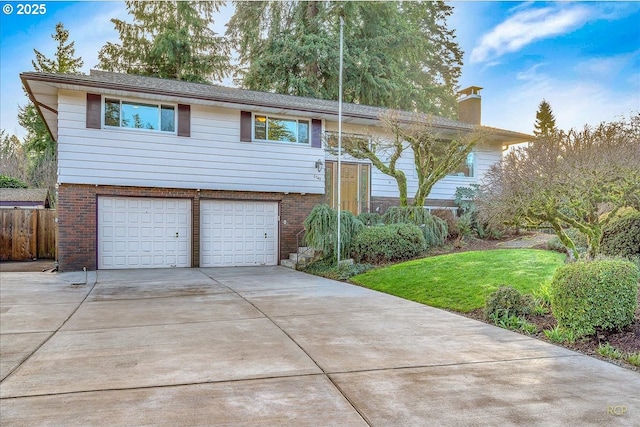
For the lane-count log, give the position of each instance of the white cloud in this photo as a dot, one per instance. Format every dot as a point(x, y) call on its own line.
point(527, 26)
point(603, 67)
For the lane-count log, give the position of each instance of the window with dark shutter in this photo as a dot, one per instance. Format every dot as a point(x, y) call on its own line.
point(144, 116)
point(94, 107)
point(245, 126)
point(184, 120)
point(316, 133)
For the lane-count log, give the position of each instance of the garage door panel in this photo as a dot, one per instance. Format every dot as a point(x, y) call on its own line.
point(141, 232)
point(233, 233)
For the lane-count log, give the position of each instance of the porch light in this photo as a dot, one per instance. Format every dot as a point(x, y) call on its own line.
point(319, 165)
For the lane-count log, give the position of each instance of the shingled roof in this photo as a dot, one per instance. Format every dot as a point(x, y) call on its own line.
point(234, 97)
point(24, 196)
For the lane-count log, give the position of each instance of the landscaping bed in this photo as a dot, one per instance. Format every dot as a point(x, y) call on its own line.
point(626, 341)
point(607, 345)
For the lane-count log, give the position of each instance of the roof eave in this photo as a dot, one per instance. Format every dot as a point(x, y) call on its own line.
point(361, 118)
point(39, 106)
point(327, 112)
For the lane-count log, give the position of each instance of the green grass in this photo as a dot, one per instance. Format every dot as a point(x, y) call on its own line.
point(462, 281)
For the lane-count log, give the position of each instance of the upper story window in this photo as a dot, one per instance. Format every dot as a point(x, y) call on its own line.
point(466, 168)
point(266, 128)
point(352, 139)
point(139, 115)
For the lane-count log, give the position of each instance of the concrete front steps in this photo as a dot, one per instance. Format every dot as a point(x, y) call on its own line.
point(304, 256)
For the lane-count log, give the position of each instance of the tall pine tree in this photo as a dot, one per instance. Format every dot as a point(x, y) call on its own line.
point(545, 124)
point(40, 147)
point(397, 54)
point(168, 39)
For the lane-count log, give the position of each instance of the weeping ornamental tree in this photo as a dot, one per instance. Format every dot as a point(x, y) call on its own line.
point(168, 39)
point(568, 180)
point(322, 230)
point(435, 155)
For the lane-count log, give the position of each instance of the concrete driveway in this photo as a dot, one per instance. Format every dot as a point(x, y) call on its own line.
point(270, 346)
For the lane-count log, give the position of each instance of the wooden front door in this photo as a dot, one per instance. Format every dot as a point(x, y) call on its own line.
point(354, 187)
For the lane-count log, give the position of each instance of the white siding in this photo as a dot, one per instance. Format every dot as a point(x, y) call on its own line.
point(385, 186)
point(212, 158)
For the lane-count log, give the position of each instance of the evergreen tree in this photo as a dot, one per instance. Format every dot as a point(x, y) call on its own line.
point(64, 61)
point(38, 143)
point(397, 54)
point(545, 124)
point(168, 39)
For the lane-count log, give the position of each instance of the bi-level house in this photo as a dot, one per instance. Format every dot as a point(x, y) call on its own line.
point(163, 173)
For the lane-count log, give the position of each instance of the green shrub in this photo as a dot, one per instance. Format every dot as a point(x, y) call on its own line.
point(600, 294)
point(486, 231)
point(450, 218)
point(465, 225)
point(433, 228)
point(465, 198)
point(387, 243)
point(507, 299)
point(328, 268)
point(580, 240)
point(621, 237)
point(371, 218)
point(11, 182)
point(321, 226)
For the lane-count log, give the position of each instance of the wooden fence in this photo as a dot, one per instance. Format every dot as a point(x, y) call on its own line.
point(27, 234)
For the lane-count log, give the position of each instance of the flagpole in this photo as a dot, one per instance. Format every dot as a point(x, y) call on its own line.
point(340, 139)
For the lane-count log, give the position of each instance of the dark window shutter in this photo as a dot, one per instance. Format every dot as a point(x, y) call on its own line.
point(184, 120)
point(245, 126)
point(94, 110)
point(316, 133)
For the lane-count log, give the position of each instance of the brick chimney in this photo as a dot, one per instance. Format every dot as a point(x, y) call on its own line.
point(470, 105)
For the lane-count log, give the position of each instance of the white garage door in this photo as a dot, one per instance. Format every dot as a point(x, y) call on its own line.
point(238, 233)
point(143, 232)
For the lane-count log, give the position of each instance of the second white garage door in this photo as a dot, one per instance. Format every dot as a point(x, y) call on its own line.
point(238, 233)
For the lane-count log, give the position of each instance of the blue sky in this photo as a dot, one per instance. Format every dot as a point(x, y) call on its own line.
point(582, 57)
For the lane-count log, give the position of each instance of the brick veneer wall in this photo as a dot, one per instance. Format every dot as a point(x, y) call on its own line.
point(78, 228)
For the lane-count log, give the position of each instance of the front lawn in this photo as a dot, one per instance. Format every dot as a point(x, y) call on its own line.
point(462, 281)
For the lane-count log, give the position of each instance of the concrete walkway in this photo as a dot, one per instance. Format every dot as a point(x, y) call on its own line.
point(270, 346)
